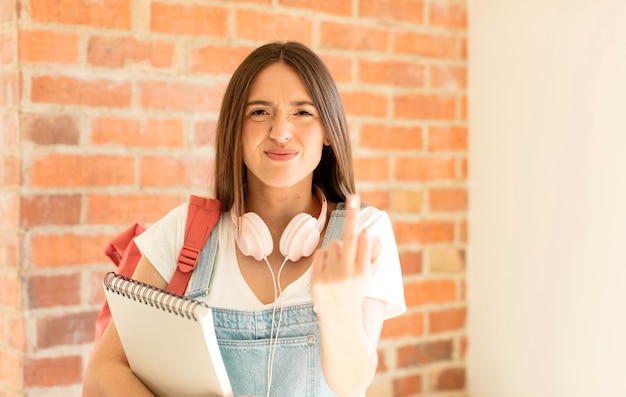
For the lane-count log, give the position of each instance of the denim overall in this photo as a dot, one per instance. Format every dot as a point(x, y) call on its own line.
point(244, 336)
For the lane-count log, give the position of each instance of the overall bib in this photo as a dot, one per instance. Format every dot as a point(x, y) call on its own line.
point(244, 336)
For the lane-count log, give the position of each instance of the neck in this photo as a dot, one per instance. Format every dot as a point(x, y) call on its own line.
point(277, 206)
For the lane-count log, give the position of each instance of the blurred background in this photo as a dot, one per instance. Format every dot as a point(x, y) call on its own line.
point(107, 117)
point(108, 113)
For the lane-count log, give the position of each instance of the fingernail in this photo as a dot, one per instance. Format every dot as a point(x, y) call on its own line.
point(353, 201)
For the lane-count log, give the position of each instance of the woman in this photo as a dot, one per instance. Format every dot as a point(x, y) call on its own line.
point(283, 165)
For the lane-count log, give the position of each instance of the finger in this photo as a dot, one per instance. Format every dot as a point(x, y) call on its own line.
point(350, 229)
point(319, 265)
point(333, 255)
point(363, 253)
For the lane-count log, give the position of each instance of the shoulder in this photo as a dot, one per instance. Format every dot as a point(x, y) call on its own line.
point(169, 225)
point(375, 220)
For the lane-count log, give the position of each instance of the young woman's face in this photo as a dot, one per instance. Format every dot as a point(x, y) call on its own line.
point(283, 135)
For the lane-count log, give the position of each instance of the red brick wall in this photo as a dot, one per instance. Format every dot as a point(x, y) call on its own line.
point(108, 110)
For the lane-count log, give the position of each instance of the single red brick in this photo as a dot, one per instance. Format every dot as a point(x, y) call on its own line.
point(411, 11)
point(127, 209)
point(337, 7)
point(64, 250)
point(81, 91)
point(50, 291)
point(411, 262)
point(389, 72)
point(16, 332)
point(114, 14)
point(407, 201)
point(274, 26)
point(449, 16)
point(12, 375)
point(426, 107)
point(438, 46)
point(407, 385)
point(9, 250)
point(12, 167)
point(9, 132)
point(53, 371)
point(9, 209)
point(7, 52)
point(425, 168)
point(446, 320)
point(449, 379)
point(7, 10)
point(117, 52)
point(68, 329)
point(55, 170)
point(424, 232)
point(354, 37)
point(448, 199)
point(170, 171)
point(48, 46)
point(144, 132)
point(366, 104)
point(50, 129)
point(450, 138)
point(388, 137)
point(189, 19)
point(53, 209)
point(424, 353)
point(181, 96)
point(419, 293)
point(10, 295)
point(10, 92)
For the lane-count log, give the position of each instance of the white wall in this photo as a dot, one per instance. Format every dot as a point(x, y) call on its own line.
point(547, 256)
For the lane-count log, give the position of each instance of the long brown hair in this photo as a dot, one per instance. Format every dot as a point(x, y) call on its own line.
point(334, 174)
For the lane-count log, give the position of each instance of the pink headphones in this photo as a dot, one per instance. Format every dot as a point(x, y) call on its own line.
point(299, 239)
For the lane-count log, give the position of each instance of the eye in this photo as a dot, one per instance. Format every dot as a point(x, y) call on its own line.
point(258, 112)
point(303, 112)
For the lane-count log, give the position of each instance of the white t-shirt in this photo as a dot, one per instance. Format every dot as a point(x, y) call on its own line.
point(162, 241)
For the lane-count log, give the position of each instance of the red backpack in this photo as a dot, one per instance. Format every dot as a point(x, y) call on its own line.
point(202, 217)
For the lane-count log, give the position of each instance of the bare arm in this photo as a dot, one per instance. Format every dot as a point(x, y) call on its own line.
point(350, 324)
point(108, 372)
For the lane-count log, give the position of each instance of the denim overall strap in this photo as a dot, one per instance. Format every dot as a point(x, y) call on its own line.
point(202, 276)
point(335, 225)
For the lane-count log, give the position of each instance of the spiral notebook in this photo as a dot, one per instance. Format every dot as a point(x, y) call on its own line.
point(169, 340)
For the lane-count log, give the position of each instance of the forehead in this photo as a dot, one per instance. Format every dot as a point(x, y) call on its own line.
point(278, 80)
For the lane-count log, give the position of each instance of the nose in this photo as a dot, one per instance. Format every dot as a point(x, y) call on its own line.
point(280, 130)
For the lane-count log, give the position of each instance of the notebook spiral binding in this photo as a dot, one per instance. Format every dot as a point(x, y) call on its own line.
point(153, 296)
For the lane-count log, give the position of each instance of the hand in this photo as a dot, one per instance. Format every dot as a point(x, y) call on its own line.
point(343, 272)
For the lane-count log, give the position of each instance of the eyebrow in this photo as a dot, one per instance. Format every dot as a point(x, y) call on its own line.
point(267, 103)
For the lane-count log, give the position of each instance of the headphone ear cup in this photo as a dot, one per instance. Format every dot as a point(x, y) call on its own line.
point(254, 239)
point(300, 237)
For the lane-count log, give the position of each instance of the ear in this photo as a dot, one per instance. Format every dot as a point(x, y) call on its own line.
point(327, 141)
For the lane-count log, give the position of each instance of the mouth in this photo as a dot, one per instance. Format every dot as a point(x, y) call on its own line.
point(281, 154)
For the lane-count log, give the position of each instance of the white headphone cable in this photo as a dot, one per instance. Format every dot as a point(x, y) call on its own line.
point(277, 295)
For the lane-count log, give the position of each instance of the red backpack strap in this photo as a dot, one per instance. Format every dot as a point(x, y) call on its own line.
point(202, 217)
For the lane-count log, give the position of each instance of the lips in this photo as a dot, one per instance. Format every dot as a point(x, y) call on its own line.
point(281, 154)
